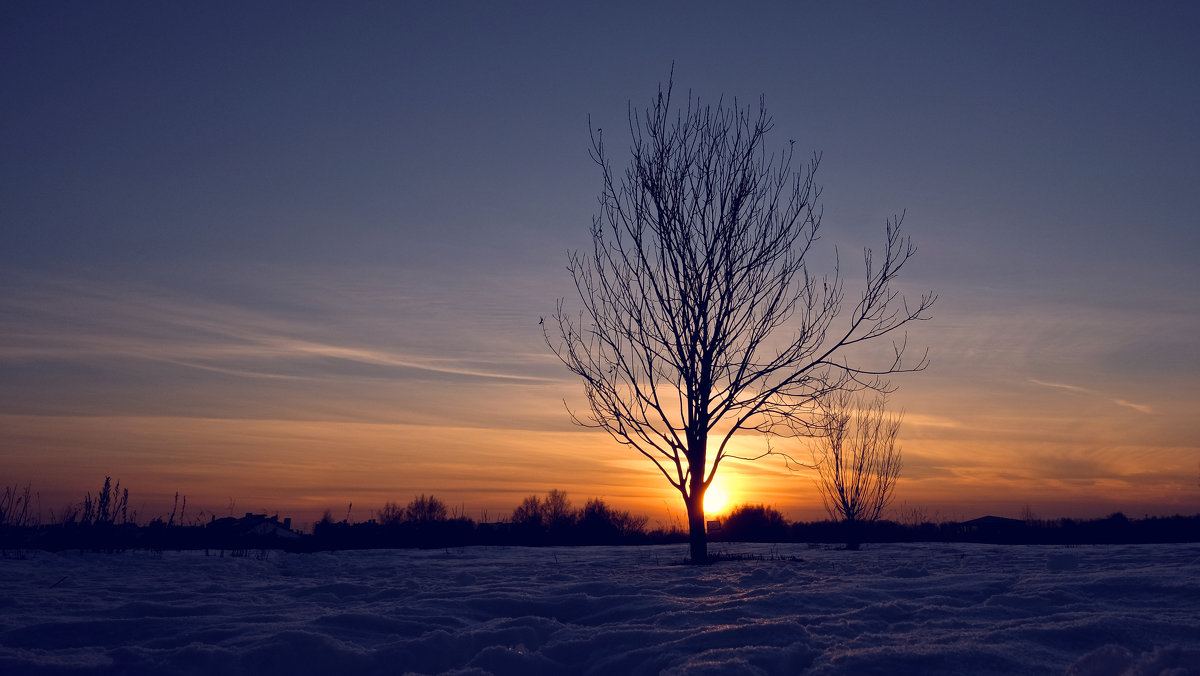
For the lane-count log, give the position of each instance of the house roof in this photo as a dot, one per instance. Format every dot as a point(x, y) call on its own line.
point(990, 520)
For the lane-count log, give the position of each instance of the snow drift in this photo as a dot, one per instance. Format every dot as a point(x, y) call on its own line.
point(910, 608)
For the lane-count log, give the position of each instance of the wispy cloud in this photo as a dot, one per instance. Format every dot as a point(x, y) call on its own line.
point(61, 319)
point(1061, 386)
point(1141, 408)
point(920, 420)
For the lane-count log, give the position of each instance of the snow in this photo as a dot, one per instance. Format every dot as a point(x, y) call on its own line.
point(905, 608)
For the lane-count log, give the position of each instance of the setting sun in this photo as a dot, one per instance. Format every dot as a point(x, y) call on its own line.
point(716, 499)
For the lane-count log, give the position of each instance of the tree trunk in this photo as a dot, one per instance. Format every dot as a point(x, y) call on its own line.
point(853, 534)
point(696, 533)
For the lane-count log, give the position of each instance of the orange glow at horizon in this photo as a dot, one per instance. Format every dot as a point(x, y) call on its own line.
point(299, 468)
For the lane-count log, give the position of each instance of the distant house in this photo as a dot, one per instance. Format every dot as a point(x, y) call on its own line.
point(990, 526)
point(256, 526)
point(993, 522)
point(714, 526)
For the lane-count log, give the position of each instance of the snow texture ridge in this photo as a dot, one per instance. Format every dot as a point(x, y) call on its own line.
point(906, 608)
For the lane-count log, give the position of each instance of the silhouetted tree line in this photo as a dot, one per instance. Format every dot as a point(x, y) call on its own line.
point(553, 520)
point(536, 521)
point(103, 522)
point(757, 523)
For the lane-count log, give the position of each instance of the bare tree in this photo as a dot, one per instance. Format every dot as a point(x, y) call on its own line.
point(529, 513)
point(392, 514)
point(425, 510)
point(700, 316)
point(557, 510)
point(857, 459)
point(552, 512)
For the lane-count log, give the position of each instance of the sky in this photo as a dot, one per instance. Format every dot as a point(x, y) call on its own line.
point(289, 257)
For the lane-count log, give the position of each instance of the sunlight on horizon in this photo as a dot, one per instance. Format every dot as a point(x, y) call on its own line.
point(717, 500)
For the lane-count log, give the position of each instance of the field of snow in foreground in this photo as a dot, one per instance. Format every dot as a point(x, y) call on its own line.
point(905, 608)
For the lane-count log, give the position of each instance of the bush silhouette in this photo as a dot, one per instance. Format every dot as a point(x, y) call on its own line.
point(755, 523)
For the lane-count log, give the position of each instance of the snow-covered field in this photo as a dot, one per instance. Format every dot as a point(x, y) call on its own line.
point(925, 608)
